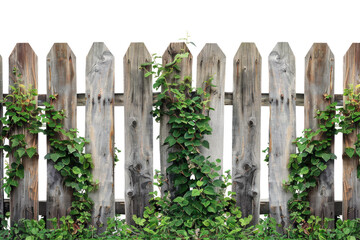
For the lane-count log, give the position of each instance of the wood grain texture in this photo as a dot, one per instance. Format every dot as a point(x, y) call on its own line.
point(99, 129)
point(246, 130)
point(282, 129)
point(24, 198)
point(119, 99)
point(1, 151)
point(186, 70)
point(61, 82)
point(351, 184)
point(138, 131)
point(319, 82)
point(211, 63)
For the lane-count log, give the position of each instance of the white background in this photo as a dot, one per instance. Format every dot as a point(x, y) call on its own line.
point(157, 23)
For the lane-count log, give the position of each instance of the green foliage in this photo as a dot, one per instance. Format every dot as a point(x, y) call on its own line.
point(67, 154)
point(194, 205)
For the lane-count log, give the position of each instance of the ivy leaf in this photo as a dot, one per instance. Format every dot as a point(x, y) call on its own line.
point(54, 156)
point(71, 148)
point(211, 209)
point(171, 140)
point(8, 189)
point(304, 170)
point(31, 152)
point(326, 156)
point(209, 190)
point(20, 152)
point(76, 170)
point(58, 166)
point(205, 144)
point(310, 148)
point(350, 152)
point(195, 192)
point(199, 183)
point(20, 172)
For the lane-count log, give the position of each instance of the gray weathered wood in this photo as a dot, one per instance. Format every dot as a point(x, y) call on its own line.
point(351, 184)
point(246, 130)
point(282, 129)
point(138, 131)
point(119, 99)
point(186, 70)
point(211, 63)
point(61, 82)
point(1, 151)
point(24, 198)
point(99, 129)
point(319, 82)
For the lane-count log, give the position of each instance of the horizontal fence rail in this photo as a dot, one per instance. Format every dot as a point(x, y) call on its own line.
point(228, 100)
point(246, 99)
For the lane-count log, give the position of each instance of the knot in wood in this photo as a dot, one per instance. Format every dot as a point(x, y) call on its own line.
point(133, 122)
point(252, 122)
point(130, 192)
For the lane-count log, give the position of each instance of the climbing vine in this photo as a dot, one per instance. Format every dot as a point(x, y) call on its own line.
point(195, 205)
point(314, 151)
point(66, 147)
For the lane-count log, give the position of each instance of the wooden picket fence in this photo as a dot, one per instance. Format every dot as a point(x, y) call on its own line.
point(137, 100)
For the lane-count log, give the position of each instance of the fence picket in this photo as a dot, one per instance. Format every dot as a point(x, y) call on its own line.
point(282, 129)
point(1, 151)
point(246, 130)
point(351, 184)
point(211, 63)
point(138, 131)
point(100, 112)
point(61, 82)
point(319, 82)
point(186, 70)
point(24, 200)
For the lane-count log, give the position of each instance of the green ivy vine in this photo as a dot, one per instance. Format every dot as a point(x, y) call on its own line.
point(66, 151)
point(314, 151)
point(198, 207)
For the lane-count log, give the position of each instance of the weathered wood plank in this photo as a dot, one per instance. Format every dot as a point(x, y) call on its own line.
point(138, 132)
point(319, 81)
point(211, 63)
point(351, 184)
point(100, 112)
point(24, 198)
point(2, 213)
point(246, 130)
point(186, 70)
point(61, 82)
point(282, 129)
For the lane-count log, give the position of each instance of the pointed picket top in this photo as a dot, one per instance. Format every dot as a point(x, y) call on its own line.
point(25, 60)
point(176, 48)
point(246, 129)
point(246, 48)
point(61, 81)
point(98, 55)
point(211, 63)
point(100, 112)
point(282, 129)
point(319, 83)
point(186, 70)
point(351, 184)
point(137, 47)
point(138, 97)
